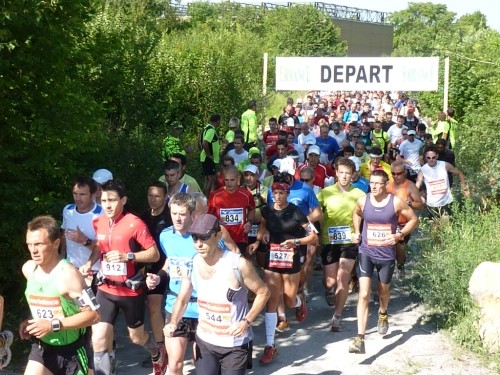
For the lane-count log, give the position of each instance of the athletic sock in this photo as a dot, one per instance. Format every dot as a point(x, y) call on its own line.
point(152, 347)
point(298, 301)
point(271, 320)
point(102, 363)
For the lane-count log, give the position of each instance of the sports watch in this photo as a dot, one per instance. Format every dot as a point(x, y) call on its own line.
point(130, 256)
point(55, 325)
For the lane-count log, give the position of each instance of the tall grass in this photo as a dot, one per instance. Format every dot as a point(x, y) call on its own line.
point(447, 263)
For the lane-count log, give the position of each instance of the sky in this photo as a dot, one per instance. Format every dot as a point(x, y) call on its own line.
point(490, 8)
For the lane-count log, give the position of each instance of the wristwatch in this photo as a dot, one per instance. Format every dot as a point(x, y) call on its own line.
point(130, 256)
point(87, 242)
point(296, 242)
point(55, 325)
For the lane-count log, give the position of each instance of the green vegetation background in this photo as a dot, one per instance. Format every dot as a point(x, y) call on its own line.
point(94, 84)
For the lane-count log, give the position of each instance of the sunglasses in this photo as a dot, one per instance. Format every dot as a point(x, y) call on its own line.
point(306, 179)
point(431, 157)
point(201, 237)
point(397, 174)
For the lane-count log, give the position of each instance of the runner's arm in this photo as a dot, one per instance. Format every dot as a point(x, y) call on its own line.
point(403, 209)
point(357, 216)
point(414, 197)
point(457, 172)
point(315, 215)
point(180, 305)
point(149, 255)
point(420, 179)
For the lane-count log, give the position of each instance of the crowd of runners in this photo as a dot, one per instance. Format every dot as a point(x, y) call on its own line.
point(336, 182)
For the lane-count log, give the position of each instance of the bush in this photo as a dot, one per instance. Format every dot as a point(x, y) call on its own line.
point(448, 260)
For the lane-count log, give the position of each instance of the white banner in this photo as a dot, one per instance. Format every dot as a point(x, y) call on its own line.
point(357, 73)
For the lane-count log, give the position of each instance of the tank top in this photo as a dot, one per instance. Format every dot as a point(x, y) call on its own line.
point(437, 185)
point(219, 305)
point(46, 302)
point(402, 193)
point(379, 222)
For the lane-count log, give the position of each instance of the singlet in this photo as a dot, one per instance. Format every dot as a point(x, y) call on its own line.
point(46, 302)
point(338, 207)
point(127, 233)
point(77, 253)
point(180, 250)
point(437, 184)
point(232, 210)
point(378, 223)
point(219, 305)
point(402, 192)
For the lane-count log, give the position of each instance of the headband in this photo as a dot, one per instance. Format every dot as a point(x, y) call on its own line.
point(280, 186)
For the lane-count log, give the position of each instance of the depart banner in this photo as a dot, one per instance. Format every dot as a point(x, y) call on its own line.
point(357, 73)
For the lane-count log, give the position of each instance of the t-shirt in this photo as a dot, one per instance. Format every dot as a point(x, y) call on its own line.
point(155, 225)
point(77, 253)
point(303, 138)
point(411, 151)
point(238, 158)
point(270, 138)
point(249, 126)
point(127, 234)
point(180, 251)
point(300, 195)
point(210, 135)
point(232, 209)
point(328, 147)
point(395, 133)
point(338, 207)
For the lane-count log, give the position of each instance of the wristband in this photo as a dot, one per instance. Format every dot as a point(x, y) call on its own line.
point(162, 274)
point(248, 323)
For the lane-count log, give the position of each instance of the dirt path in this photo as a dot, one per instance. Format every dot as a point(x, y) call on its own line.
point(410, 347)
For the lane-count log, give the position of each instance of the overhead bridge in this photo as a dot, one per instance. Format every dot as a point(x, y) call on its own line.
point(368, 32)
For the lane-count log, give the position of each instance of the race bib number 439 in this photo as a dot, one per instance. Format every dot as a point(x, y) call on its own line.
point(44, 307)
point(231, 216)
point(377, 234)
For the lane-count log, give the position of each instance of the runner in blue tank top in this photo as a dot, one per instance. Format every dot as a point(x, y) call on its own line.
point(377, 249)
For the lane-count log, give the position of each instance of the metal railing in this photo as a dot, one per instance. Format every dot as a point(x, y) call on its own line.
point(334, 11)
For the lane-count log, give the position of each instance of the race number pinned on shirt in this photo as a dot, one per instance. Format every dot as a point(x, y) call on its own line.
point(281, 256)
point(114, 269)
point(253, 230)
point(178, 267)
point(339, 235)
point(438, 187)
point(214, 318)
point(231, 216)
point(44, 307)
point(377, 234)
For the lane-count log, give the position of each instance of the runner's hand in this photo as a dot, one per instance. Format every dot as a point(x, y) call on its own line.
point(152, 280)
point(238, 329)
point(253, 247)
point(23, 332)
point(356, 238)
point(116, 256)
point(39, 327)
point(265, 238)
point(169, 329)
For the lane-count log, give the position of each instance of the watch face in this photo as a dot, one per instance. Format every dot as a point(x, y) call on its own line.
point(130, 256)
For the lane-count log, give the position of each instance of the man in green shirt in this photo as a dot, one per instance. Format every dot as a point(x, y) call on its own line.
point(249, 125)
point(210, 152)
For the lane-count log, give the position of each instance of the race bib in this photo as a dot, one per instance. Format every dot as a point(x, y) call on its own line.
point(253, 230)
point(231, 216)
point(214, 318)
point(114, 269)
point(339, 235)
point(281, 256)
point(377, 234)
point(178, 267)
point(44, 307)
point(438, 187)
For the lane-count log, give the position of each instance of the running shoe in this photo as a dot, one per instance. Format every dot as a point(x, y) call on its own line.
point(383, 324)
point(6, 338)
point(282, 325)
point(301, 312)
point(269, 353)
point(357, 345)
point(160, 365)
point(336, 323)
point(330, 297)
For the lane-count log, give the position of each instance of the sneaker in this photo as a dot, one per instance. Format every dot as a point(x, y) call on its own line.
point(330, 297)
point(357, 345)
point(160, 365)
point(383, 324)
point(301, 312)
point(269, 353)
point(6, 338)
point(336, 326)
point(282, 325)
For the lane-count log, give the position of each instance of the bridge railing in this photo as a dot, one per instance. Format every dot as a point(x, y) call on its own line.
point(334, 11)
